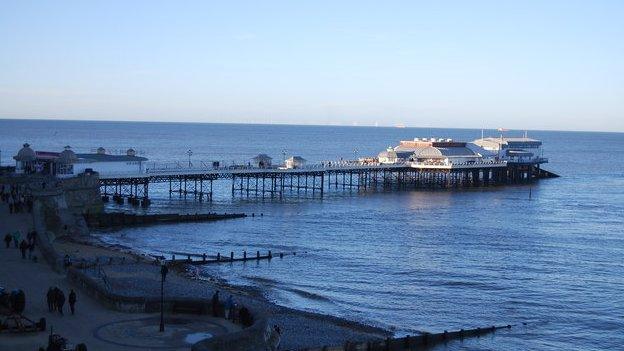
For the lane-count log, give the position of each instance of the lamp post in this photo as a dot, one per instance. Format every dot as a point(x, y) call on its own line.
point(163, 274)
point(190, 153)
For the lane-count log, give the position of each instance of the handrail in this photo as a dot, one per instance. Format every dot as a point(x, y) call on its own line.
point(104, 277)
point(325, 165)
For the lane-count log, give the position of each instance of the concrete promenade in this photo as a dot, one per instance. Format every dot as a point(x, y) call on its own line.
point(99, 328)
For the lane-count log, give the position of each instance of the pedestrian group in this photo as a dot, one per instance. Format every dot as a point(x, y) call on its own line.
point(56, 300)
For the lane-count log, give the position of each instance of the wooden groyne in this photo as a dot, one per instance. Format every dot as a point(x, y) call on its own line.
point(412, 343)
point(118, 219)
point(202, 259)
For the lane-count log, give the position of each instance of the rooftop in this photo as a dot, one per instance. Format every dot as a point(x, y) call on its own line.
point(262, 157)
point(506, 141)
point(109, 158)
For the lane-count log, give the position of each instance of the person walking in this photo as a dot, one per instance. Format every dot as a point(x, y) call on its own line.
point(215, 304)
point(34, 236)
point(16, 238)
point(23, 247)
point(50, 299)
point(60, 301)
point(72, 300)
point(7, 240)
point(274, 338)
point(11, 205)
point(229, 305)
point(31, 249)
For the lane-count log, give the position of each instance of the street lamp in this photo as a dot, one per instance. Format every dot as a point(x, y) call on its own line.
point(163, 274)
point(190, 153)
point(355, 154)
point(284, 155)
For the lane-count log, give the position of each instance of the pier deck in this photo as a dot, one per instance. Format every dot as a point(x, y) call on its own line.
point(316, 179)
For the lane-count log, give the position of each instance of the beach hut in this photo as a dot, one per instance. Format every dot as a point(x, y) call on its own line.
point(295, 162)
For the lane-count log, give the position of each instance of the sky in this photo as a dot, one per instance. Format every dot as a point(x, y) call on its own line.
point(470, 64)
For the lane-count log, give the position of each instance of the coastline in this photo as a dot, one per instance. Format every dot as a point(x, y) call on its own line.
point(302, 329)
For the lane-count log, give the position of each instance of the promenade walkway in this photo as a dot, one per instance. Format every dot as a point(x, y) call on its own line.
point(99, 328)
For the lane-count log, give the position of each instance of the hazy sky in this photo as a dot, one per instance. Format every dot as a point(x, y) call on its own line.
point(514, 64)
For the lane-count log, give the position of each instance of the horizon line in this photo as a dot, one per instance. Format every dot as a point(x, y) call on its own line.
point(398, 126)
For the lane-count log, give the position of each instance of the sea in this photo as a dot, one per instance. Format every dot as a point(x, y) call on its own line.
point(546, 258)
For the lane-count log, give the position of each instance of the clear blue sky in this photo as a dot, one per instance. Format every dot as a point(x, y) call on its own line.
point(513, 64)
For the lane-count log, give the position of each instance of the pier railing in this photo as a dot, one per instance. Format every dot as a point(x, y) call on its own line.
point(178, 168)
point(169, 168)
point(329, 165)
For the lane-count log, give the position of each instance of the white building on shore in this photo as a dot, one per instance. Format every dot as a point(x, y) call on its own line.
point(67, 163)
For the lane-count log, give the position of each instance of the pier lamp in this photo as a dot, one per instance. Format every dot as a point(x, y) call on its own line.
point(190, 153)
point(163, 274)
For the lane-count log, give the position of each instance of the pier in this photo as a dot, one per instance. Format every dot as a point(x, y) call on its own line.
point(315, 180)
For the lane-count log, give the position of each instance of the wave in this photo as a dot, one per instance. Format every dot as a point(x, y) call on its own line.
point(281, 286)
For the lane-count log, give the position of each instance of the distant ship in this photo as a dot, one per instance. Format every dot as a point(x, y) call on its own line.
point(400, 125)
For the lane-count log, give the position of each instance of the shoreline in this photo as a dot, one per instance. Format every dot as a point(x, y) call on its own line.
point(326, 329)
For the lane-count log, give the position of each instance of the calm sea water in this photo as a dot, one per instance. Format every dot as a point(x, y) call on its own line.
point(409, 261)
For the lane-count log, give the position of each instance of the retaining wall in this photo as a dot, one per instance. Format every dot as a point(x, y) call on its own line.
point(249, 339)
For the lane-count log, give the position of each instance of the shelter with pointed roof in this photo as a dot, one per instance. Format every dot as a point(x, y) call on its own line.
point(25, 159)
point(262, 161)
point(65, 162)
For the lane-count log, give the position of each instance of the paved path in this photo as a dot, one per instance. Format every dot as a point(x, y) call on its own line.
point(99, 328)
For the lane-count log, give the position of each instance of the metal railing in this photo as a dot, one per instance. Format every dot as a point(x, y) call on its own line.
point(179, 167)
point(468, 163)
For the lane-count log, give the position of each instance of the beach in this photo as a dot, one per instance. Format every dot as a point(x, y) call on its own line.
point(138, 276)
